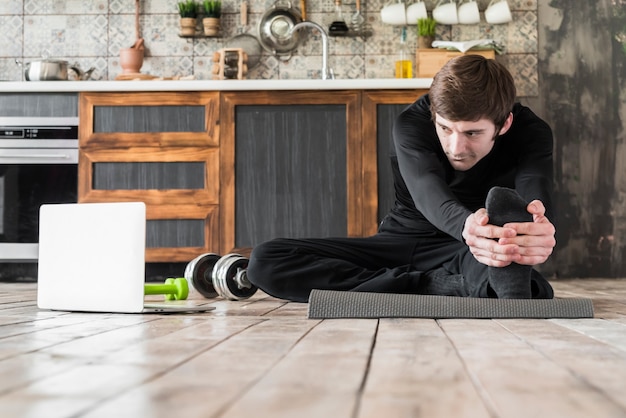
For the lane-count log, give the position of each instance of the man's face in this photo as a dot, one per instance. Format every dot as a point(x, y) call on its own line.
point(465, 143)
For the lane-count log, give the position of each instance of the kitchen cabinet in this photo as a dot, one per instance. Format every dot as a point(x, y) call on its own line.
point(162, 149)
point(224, 171)
point(379, 109)
point(20, 104)
point(306, 164)
point(296, 164)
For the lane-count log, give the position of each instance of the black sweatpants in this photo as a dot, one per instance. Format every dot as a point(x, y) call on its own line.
point(394, 260)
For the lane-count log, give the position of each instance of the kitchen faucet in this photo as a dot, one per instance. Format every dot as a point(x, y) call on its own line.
point(327, 73)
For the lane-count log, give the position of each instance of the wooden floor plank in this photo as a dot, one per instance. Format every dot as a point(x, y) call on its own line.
point(75, 390)
point(321, 376)
point(493, 357)
point(602, 366)
point(416, 372)
point(256, 307)
point(156, 352)
point(214, 379)
point(612, 333)
point(30, 342)
point(262, 357)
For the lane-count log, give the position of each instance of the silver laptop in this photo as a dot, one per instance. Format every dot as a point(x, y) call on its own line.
point(92, 259)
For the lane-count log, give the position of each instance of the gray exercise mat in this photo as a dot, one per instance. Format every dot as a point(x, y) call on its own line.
point(335, 304)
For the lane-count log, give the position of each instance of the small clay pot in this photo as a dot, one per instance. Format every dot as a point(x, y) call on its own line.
point(425, 42)
point(131, 60)
point(211, 26)
point(187, 26)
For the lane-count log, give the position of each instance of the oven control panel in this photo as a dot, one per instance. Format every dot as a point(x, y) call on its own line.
point(38, 132)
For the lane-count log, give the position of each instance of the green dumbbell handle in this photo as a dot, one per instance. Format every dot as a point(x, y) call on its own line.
point(173, 289)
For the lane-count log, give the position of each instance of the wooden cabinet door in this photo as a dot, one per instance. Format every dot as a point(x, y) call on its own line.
point(380, 108)
point(291, 166)
point(161, 149)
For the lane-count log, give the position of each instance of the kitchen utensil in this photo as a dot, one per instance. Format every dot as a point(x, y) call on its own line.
point(248, 42)
point(275, 26)
point(498, 12)
point(338, 25)
point(394, 13)
point(468, 12)
point(356, 23)
point(51, 70)
point(131, 60)
point(416, 11)
point(138, 44)
point(82, 75)
point(445, 12)
point(303, 9)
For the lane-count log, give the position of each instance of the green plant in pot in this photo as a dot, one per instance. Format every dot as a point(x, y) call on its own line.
point(426, 29)
point(212, 14)
point(188, 11)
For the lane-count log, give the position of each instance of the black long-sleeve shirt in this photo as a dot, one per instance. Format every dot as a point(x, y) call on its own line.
point(432, 197)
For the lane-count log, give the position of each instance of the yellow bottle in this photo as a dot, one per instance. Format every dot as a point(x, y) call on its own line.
point(404, 63)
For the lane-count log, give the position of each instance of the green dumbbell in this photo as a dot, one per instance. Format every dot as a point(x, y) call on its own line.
point(173, 289)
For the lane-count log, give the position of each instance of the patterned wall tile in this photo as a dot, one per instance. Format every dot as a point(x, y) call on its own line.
point(158, 6)
point(380, 66)
point(523, 68)
point(71, 7)
point(11, 36)
point(91, 32)
point(100, 65)
point(9, 70)
point(65, 35)
point(204, 47)
point(161, 37)
point(11, 7)
point(121, 6)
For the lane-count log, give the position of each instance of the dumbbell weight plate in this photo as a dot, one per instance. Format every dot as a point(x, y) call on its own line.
point(198, 273)
point(225, 278)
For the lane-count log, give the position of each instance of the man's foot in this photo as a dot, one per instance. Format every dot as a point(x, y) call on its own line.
point(503, 206)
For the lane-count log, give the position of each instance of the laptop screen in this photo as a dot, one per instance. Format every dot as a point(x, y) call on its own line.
point(92, 257)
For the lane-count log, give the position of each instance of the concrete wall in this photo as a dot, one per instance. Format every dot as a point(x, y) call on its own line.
point(582, 68)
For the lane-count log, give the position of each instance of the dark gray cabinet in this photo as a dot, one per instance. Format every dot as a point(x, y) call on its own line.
point(39, 104)
point(290, 172)
point(306, 163)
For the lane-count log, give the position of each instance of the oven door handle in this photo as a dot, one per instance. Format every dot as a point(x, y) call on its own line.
point(37, 156)
point(52, 156)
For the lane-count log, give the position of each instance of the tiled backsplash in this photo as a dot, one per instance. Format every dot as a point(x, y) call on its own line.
point(91, 32)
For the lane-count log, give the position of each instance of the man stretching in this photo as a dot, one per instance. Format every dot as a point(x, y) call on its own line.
point(473, 183)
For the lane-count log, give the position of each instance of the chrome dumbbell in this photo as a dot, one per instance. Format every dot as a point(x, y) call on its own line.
point(212, 275)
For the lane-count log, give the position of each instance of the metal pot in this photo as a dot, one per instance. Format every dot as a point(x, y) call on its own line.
point(274, 28)
point(51, 70)
point(44, 70)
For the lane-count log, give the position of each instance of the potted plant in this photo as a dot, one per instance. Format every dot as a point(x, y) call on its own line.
point(188, 11)
point(212, 14)
point(426, 28)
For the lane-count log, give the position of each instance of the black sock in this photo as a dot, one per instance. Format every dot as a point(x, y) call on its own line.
point(513, 281)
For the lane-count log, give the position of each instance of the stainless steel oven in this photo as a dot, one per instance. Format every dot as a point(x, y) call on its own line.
point(38, 164)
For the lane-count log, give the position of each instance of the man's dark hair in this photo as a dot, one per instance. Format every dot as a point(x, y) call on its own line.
point(471, 87)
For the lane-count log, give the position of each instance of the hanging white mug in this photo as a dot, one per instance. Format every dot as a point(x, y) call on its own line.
point(445, 12)
point(416, 11)
point(468, 12)
point(498, 12)
point(394, 14)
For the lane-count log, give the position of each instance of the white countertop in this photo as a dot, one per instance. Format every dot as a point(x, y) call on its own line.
point(214, 85)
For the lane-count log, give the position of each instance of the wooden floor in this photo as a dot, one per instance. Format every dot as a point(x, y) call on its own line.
point(264, 358)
